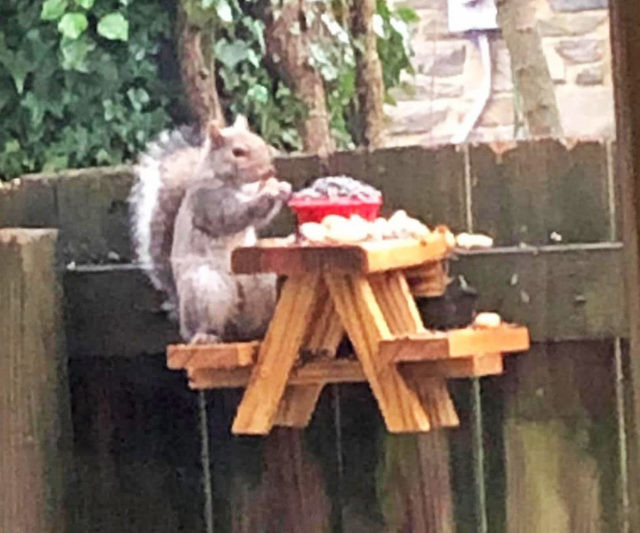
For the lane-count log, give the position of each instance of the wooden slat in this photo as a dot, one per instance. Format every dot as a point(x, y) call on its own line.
point(401, 313)
point(366, 326)
point(224, 355)
point(474, 366)
point(112, 310)
point(428, 280)
point(310, 374)
point(299, 401)
point(456, 343)
point(350, 371)
point(277, 355)
point(273, 256)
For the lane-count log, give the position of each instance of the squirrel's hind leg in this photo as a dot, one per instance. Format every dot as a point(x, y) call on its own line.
point(207, 301)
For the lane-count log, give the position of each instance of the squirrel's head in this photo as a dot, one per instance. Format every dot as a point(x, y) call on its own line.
point(236, 154)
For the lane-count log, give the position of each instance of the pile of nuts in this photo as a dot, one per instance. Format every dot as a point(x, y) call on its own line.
point(340, 230)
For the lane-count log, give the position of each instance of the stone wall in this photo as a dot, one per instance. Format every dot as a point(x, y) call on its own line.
point(448, 74)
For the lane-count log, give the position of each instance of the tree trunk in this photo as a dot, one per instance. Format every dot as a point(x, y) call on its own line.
point(288, 38)
point(369, 82)
point(197, 65)
point(517, 20)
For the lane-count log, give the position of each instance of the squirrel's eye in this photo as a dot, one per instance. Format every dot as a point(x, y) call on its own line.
point(239, 152)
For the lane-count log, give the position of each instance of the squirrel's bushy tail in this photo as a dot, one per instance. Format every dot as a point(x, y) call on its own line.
point(154, 202)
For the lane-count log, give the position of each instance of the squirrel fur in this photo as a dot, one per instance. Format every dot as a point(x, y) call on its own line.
point(197, 196)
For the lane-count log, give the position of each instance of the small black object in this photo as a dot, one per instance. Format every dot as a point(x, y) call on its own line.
point(456, 308)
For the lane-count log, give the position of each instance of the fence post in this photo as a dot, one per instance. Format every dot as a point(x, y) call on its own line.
point(34, 398)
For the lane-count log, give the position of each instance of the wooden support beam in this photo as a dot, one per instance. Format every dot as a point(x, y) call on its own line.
point(401, 313)
point(366, 326)
point(35, 418)
point(277, 355)
point(299, 401)
point(320, 373)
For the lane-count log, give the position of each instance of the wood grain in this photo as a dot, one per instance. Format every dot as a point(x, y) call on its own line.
point(35, 418)
point(277, 355)
point(361, 258)
point(455, 343)
point(366, 326)
point(401, 313)
point(324, 336)
point(223, 355)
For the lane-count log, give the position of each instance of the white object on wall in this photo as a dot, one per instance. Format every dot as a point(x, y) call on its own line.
point(467, 15)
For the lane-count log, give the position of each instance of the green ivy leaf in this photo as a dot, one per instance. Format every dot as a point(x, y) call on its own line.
point(138, 98)
point(86, 4)
point(53, 9)
point(114, 27)
point(74, 54)
point(72, 25)
point(259, 94)
point(230, 54)
point(223, 9)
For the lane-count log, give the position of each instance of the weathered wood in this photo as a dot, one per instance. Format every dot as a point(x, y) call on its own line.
point(559, 442)
point(277, 354)
point(361, 258)
point(560, 293)
point(35, 424)
point(89, 206)
point(625, 47)
point(540, 188)
point(414, 493)
point(136, 448)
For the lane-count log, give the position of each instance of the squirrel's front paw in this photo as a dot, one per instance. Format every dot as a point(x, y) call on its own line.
point(281, 190)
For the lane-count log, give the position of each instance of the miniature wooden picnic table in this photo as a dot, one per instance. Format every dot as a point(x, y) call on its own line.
point(367, 292)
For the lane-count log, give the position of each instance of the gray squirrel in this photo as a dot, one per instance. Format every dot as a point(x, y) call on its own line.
point(197, 196)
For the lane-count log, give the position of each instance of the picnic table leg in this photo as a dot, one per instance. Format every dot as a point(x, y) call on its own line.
point(323, 337)
point(366, 327)
point(394, 297)
point(277, 355)
point(416, 468)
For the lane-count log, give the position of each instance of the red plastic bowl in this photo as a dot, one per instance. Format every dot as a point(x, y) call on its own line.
point(315, 209)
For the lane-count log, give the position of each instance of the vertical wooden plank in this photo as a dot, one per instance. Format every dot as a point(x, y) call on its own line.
point(278, 483)
point(625, 46)
point(35, 429)
point(136, 449)
point(427, 182)
point(560, 439)
point(415, 470)
point(538, 189)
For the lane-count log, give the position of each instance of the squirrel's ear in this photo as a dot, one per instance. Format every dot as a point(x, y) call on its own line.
point(241, 123)
point(214, 131)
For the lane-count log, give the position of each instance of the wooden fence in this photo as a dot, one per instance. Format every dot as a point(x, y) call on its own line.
point(541, 448)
